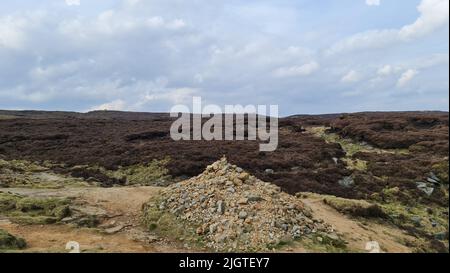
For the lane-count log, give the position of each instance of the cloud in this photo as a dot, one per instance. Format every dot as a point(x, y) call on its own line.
point(295, 71)
point(117, 105)
point(12, 34)
point(385, 70)
point(147, 55)
point(351, 76)
point(72, 2)
point(434, 14)
point(373, 2)
point(406, 77)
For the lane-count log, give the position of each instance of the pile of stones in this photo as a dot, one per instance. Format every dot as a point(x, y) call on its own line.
point(234, 211)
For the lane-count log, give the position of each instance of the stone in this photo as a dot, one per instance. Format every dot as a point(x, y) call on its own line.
point(243, 176)
point(346, 182)
point(422, 186)
point(441, 236)
point(220, 207)
point(417, 221)
point(243, 214)
point(254, 198)
point(200, 230)
point(114, 229)
point(434, 177)
point(269, 171)
point(431, 180)
point(243, 201)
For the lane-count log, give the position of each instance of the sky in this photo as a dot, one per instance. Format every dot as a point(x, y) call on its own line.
point(306, 56)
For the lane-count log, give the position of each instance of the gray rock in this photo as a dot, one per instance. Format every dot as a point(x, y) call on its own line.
point(239, 170)
point(254, 198)
point(434, 177)
point(346, 182)
point(269, 171)
point(212, 228)
point(220, 207)
point(425, 188)
point(441, 236)
point(114, 229)
point(431, 180)
point(417, 221)
point(243, 214)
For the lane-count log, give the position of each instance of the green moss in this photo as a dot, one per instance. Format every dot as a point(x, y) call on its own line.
point(441, 170)
point(403, 216)
point(356, 164)
point(357, 208)
point(33, 220)
point(8, 241)
point(27, 210)
point(7, 202)
point(350, 146)
point(145, 174)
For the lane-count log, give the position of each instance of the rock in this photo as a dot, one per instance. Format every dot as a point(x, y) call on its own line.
point(239, 170)
point(237, 182)
point(433, 223)
point(243, 201)
point(425, 188)
point(212, 228)
point(243, 214)
point(335, 160)
point(114, 229)
point(441, 236)
point(346, 182)
point(434, 177)
point(243, 176)
point(220, 207)
point(431, 180)
point(269, 171)
point(200, 230)
point(417, 221)
point(254, 198)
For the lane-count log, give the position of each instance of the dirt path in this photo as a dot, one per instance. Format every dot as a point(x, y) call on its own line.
point(122, 232)
point(357, 234)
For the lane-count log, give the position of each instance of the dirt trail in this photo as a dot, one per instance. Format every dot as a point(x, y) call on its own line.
point(123, 206)
point(358, 234)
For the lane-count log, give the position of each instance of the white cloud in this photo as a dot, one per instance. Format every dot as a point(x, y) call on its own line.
point(116, 105)
point(385, 70)
point(406, 77)
point(434, 14)
point(293, 71)
point(351, 76)
point(373, 2)
point(176, 24)
point(12, 34)
point(73, 2)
